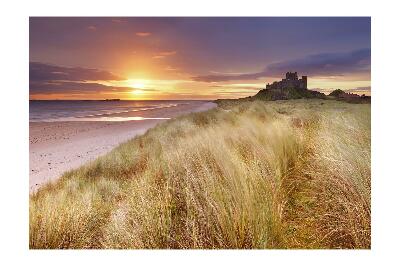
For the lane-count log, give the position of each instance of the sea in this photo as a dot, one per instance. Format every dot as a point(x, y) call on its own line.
point(70, 110)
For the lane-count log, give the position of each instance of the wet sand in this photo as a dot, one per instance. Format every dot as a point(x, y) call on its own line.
point(55, 147)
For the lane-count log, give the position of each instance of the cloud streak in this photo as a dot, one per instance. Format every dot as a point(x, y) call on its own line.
point(46, 72)
point(143, 34)
point(118, 20)
point(357, 61)
point(358, 89)
point(92, 28)
point(53, 87)
point(53, 79)
point(162, 55)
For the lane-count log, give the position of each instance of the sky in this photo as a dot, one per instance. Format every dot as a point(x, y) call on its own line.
point(165, 58)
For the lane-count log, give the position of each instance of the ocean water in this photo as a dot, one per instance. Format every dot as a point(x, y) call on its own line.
point(55, 111)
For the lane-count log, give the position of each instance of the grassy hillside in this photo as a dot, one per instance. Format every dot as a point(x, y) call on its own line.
point(293, 174)
point(287, 93)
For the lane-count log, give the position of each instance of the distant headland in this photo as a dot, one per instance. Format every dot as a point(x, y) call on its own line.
point(112, 100)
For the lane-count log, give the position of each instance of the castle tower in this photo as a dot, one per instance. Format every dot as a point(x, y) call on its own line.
point(304, 79)
point(291, 81)
point(291, 76)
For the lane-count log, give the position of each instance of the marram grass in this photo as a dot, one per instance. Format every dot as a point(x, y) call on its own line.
point(288, 174)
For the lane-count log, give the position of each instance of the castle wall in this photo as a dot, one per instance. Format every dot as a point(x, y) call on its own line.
point(291, 81)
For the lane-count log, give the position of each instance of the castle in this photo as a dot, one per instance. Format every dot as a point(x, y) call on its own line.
point(291, 81)
point(290, 87)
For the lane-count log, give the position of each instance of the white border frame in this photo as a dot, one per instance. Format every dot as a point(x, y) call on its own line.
point(14, 134)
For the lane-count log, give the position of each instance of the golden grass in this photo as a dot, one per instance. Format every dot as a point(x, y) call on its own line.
point(292, 174)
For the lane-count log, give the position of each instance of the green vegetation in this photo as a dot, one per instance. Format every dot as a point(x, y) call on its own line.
point(286, 94)
point(291, 174)
point(336, 93)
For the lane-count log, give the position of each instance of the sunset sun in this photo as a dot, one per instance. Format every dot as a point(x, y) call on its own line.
point(136, 91)
point(137, 84)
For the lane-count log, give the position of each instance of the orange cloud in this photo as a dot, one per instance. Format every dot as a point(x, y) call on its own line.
point(161, 55)
point(169, 68)
point(143, 34)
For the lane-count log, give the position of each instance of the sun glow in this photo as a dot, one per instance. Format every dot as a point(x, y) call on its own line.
point(136, 91)
point(137, 84)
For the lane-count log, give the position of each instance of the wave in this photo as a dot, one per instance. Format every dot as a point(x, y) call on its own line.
point(98, 115)
point(110, 112)
point(102, 119)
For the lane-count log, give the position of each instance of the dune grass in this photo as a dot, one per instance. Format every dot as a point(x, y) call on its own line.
point(289, 174)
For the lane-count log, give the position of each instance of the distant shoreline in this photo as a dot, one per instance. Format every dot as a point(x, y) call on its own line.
point(122, 100)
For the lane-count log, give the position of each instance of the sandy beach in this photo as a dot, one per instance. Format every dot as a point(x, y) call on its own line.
point(55, 147)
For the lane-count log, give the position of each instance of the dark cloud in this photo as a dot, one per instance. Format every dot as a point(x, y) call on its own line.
point(46, 72)
point(69, 87)
point(204, 43)
point(40, 87)
point(225, 77)
point(52, 79)
point(236, 87)
point(358, 61)
point(326, 64)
